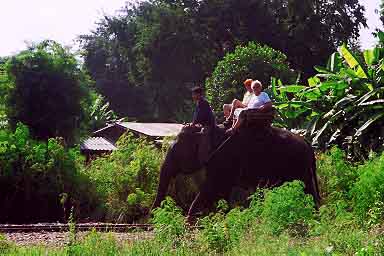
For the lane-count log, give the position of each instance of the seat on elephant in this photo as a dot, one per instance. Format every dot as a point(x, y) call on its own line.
point(258, 118)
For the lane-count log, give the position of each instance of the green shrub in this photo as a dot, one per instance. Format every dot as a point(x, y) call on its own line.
point(288, 207)
point(169, 222)
point(215, 234)
point(251, 61)
point(41, 178)
point(368, 192)
point(126, 180)
point(222, 232)
point(337, 176)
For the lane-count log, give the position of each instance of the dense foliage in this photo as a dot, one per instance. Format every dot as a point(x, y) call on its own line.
point(126, 180)
point(250, 61)
point(143, 62)
point(343, 104)
point(47, 177)
point(43, 176)
point(47, 87)
point(146, 58)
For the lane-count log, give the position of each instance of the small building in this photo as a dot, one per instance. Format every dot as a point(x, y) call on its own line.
point(104, 140)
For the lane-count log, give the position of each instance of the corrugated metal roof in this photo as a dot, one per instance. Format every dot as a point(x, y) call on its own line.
point(153, 129)
point(97, 143)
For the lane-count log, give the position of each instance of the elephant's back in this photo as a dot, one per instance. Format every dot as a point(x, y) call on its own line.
point(254, 154)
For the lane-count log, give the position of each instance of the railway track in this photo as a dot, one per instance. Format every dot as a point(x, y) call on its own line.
point(61, 227)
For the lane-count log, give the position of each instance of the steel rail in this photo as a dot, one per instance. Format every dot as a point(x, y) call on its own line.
point(62, 227)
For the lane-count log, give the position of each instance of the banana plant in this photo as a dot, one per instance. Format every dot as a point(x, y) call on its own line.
point(100, 113)
point(343, 104)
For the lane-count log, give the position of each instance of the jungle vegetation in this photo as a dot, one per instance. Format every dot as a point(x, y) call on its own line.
point(140, 64)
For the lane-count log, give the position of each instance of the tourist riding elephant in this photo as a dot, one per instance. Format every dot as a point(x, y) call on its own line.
point(257, 156)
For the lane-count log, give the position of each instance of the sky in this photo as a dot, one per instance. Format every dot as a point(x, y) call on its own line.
point(35, 20)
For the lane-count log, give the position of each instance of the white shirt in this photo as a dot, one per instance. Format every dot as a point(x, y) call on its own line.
point(258, 101)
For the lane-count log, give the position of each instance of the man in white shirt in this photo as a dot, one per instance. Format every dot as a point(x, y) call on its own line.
point(260, 100)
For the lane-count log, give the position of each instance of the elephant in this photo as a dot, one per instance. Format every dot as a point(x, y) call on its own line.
point(252, 157)
point(255, 155)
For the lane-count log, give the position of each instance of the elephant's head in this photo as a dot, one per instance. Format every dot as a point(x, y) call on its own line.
point(192, 148)
point(186, 155)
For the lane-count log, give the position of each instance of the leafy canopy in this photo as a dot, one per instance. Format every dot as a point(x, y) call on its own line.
point(47, 90)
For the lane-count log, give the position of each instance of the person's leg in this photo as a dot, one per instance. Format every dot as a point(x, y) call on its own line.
point(235, 104)
point(240, 119)
point(237, 123)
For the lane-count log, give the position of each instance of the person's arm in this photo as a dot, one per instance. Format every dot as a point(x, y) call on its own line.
point(241, 105)
point(266, 106)
point(202, 114)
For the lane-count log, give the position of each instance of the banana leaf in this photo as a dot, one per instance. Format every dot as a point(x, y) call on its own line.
point(368, 95)
point(371, 56)
point(334, 136)
point(325, 126)
point(381, 101)
point(322, 70)
point(313, 81)
point(292, 88)
point(334, 62)
point(339, 85)
point(311, 94)
point(311, 125)
point(346, 100)
point(363, 128)
point(352, 62)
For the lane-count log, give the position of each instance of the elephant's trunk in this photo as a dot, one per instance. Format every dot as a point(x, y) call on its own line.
point(167, 172)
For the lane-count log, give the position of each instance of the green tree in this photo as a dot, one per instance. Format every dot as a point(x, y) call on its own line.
point(47, 90)
point(145, 58)
point(250, 61)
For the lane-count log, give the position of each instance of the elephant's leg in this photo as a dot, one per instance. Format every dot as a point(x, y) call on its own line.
point(168, 170)
point(210, 193)
point(311, 183)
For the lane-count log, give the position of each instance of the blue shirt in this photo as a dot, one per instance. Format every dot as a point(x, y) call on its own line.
point(203, 114)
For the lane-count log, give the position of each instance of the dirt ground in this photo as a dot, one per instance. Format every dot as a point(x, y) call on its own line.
point(58, 239)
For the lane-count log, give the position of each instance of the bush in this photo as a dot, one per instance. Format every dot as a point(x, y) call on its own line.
point(169, 222)
point(126, 180)
point(41, 178)
point(251, 61)
point(288, 207)
point(222, 232)
point(337, 176)
point(368, 192)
